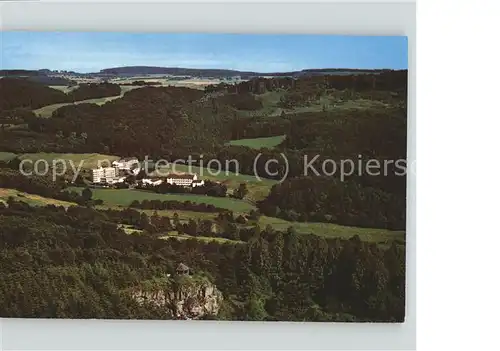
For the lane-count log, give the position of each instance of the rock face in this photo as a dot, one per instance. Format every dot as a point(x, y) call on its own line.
point(185, 298)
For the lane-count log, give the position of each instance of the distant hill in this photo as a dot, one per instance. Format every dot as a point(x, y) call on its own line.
point(200, 72)
point(42, 76)
point(177, 71)
point(19, 73)
point(46, 76)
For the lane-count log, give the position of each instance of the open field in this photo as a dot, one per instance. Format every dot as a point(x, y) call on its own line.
point(31, 199)
point(6, 156)
point(47, 111)
point(269, 108)
point(124, 197)
point(175, 235)
point(130, 229)
point(127, 88)
point(193, 83)
point(270, 105)
point(379, 236)
point(114, 198)
point(259, 143)
point(89, 160)
point(64, 88)
point(9, 126)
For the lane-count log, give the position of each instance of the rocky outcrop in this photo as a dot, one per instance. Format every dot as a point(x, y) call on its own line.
point(183, 297)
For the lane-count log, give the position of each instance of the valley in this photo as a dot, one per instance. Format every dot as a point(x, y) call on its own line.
point(276, 243)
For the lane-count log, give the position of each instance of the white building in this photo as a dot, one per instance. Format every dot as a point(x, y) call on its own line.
point(184, 179)
point(127, 163)
point(104, 175)
point(198, 183)
point(118, 180)
point(152, 181)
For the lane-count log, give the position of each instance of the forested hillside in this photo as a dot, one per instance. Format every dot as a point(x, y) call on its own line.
point(15, 93)
point(277, 243)
point(19, 92)
point(79, 264)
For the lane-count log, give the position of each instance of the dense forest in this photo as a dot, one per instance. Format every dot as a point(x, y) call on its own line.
point(78, 263)
point(322, 199)
point(18, 93)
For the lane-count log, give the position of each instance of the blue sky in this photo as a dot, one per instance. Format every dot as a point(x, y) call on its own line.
point(93, 51)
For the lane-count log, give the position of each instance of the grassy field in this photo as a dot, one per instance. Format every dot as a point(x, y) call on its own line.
point(259, 143)
point(31, 199)
point(47, 111)
point(6, 156)
point(130, 229)
point(89, 160)
point(124, 197)
point(64, 88)
point(379, 236)
point(270, 105)
point(193, 83)
point(269, 108)
point(126, 88)
point(207, 239)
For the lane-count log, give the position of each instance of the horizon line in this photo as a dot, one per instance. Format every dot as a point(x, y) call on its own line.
point(211, 68)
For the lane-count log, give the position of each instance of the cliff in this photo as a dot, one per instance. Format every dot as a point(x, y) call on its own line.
point(188, 297)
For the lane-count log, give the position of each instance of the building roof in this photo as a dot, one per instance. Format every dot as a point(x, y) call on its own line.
point(151, 179)
point(180, 176)
point(126, 159)
point(103, 168)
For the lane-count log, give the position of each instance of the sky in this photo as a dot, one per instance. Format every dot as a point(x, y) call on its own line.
point(92, 51)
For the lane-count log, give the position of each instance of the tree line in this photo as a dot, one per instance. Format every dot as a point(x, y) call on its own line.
point(23, 93)
point(209, 188)
point(174, 205)
point(323, 199)
point(44, 186)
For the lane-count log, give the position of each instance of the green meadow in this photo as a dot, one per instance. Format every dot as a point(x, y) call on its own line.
point(175, 235)
point(124, 197)
point(89, 160)
point(31, 199)
point(6, 156)
point(259, 143)
point(47, 111)
point(330, 230)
